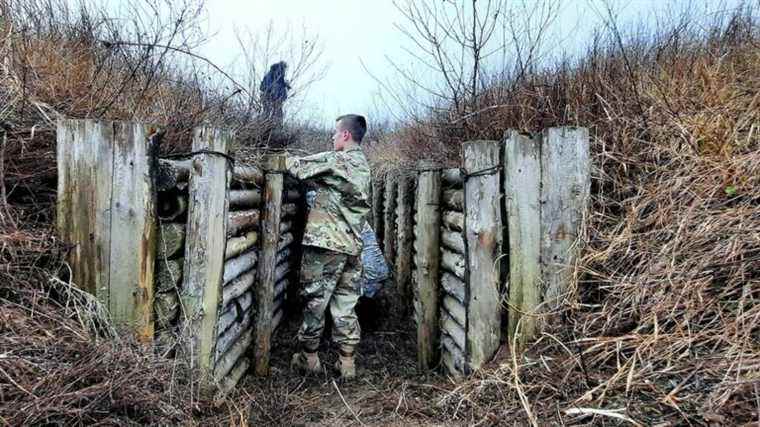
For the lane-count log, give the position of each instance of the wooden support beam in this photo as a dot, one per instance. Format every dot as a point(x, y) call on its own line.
point(565, 186)
point(245, 199)
point(204, 254)
point(377, 210)
point(483, 235)
point(242, 221)
point(270, 231)
point(427, 253)
point(522, 192)
point(389, 220)
point(405, 240)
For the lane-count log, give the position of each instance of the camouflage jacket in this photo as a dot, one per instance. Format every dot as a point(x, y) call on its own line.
point(342, 182)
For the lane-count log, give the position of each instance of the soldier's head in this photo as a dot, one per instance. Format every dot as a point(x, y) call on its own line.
point(349, 130)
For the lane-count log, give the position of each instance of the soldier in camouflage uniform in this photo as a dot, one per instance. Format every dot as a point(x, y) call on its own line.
point(331, 268)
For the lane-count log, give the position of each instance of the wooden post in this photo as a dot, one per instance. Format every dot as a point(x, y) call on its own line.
point(427, 232)
point(270, 239)
point(107, 209)
point(565, 186)
point(205, 245)
point(405, 233)
point(389, 239)
point(483, 235)
point(522, 191)
point(377, 211)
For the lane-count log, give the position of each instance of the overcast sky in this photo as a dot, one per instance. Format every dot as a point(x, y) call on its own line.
point(355, 31)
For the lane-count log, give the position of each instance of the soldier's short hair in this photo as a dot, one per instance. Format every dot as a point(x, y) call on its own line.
point(355, 124)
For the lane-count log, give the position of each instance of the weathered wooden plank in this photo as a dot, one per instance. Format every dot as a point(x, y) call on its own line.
point(228, 360)
point(377, 210)
point(453, 263)
point(205, 248)
point(133, 230)
point(427, 253)
point(452, 177)
point(245, 199)
point(453, 240)
point(65, 163)
point(450, 327)
point(168, 274)
point(270, 230)
point(456, 309)
point(453, 199)
point(171, 240)
point(171, 206)
point(235, 311)
point(242, 263)
point(453, 220)
point(389, 220)
point(242, 221)
point(238, 245)
point(483, 235)
point(248, 174)
point(453, 286)
point(405, 240)
point(237, 287)
point(230, 381)
point(172, 172)
point(522, 192)
point(565, 186)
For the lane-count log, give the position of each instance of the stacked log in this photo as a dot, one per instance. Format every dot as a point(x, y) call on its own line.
point(172, 204)
point(235, 327)
point(291, 217)
point(453, 313)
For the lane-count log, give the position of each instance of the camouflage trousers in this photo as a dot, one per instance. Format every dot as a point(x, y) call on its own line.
point(330, 279)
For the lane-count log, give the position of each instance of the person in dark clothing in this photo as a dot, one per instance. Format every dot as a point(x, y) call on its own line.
point(274, 92)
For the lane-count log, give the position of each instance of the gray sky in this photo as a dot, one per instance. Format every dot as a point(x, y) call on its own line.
point(354, 30)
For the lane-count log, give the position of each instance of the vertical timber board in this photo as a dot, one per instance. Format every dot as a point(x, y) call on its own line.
point(205, 244)
point(522, 193)
point(427, 237)
point(389, 239)
point(85, 167)
point(267, 264)
point(483, 235)
point(405, 233)
point(565, 186)
point(133, 230)
point(377, 210)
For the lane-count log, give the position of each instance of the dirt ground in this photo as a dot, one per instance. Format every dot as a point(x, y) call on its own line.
point(388, 390)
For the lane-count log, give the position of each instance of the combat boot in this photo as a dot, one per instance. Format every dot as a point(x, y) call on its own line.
point(345, 365)
point(307, 362)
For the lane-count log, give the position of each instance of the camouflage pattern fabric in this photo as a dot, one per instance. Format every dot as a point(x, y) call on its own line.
point(343, 184)
point(331, 279)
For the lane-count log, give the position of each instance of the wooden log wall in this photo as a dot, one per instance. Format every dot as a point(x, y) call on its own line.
point(288, 249)
point(405, 204)
point(452, 278)
point(235, 328)
point(172, 183)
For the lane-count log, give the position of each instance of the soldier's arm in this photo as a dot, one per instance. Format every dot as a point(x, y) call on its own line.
point(311, 166)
